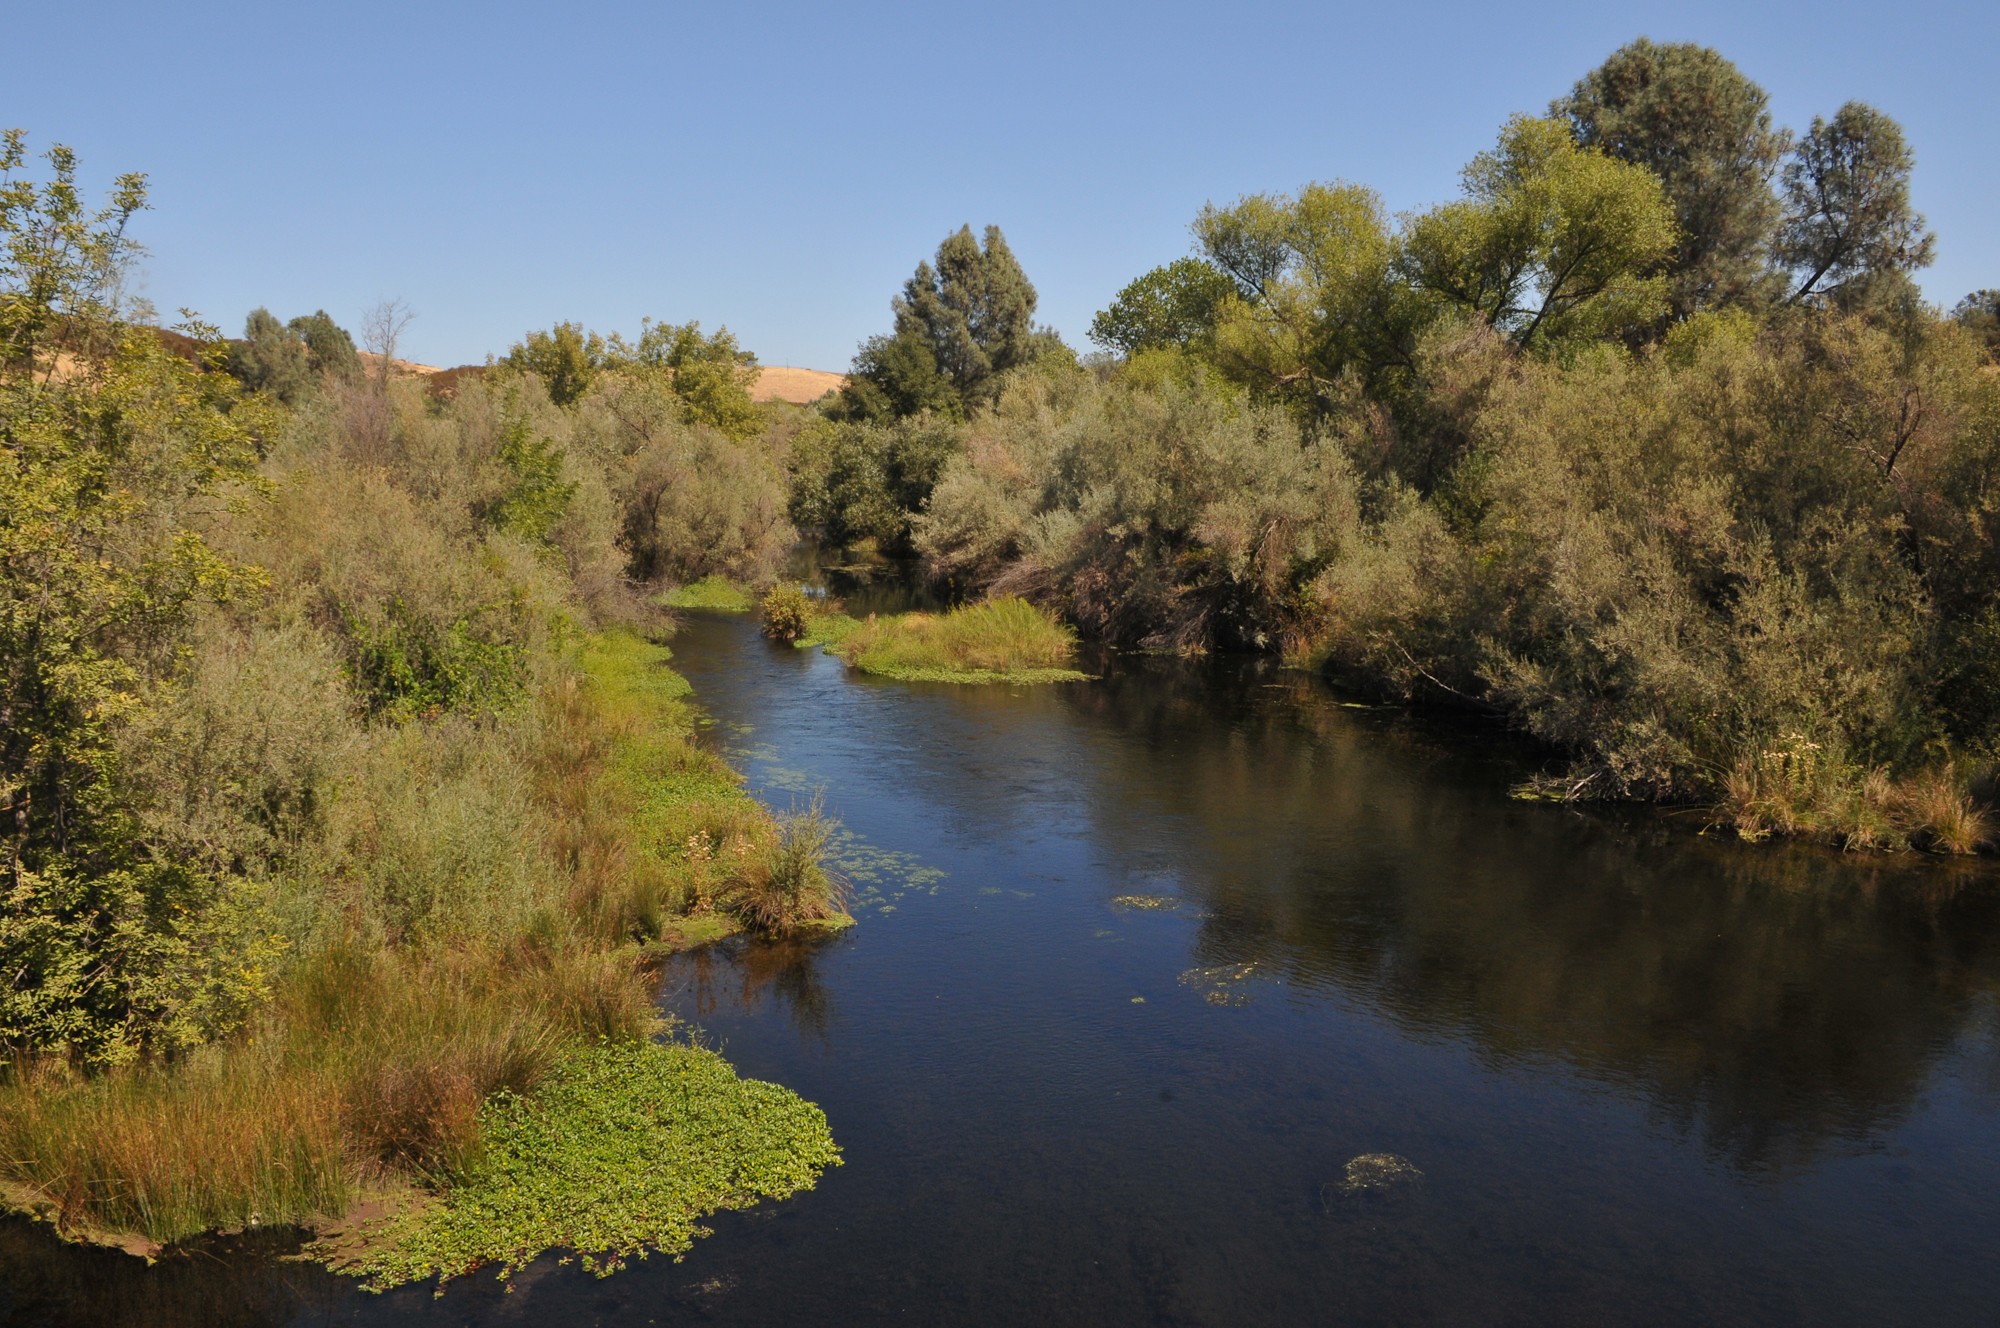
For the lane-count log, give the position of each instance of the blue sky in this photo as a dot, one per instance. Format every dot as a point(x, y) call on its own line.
point(782, 168)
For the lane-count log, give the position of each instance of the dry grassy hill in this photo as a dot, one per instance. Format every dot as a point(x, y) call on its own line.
point(781, 382)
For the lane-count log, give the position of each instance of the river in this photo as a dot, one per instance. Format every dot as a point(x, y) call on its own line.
point(1145, 964)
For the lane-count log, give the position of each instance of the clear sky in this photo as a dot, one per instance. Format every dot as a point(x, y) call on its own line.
point(781, 168)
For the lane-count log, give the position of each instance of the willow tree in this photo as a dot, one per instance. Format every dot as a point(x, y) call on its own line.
point(1553, 242)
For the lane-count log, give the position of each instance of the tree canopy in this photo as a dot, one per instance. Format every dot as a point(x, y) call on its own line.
point(961, 326)
point(1847, 215)
point(1690, 117)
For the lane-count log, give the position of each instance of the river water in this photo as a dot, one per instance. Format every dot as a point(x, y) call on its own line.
point(1145, 964)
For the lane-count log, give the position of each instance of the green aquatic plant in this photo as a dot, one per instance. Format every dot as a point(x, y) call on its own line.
point(622, 1151)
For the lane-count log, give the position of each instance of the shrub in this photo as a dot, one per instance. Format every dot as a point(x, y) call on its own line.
point(786, 612)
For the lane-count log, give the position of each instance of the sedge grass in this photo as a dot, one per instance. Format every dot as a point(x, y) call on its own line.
point(998, 640)
point(711, 594)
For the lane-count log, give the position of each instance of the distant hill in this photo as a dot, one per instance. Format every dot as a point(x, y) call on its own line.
point(781, 382)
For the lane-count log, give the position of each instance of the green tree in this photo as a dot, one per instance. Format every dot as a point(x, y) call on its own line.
point(270, 358)
point(108, 475)
point(59, 258)
point(971, 316)
point(328, 344)
point(1690, 117)
point(288, 359)
point(1979, 312)
point(711, 374)
point(1847, 215)
point(1554, 242)
point(1315, 289)
point(1175, 305)
point(566, 359)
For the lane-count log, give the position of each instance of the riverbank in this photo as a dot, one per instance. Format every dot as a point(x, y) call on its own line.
point(376, 1088)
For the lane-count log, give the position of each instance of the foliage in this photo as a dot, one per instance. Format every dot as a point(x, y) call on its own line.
point(692, 502)
point(795, 891)
point(712, 375)
point(566, 358)
point(622, 1150)
point(288, 360)
point(786, 612)
point(1172, 306)
point(997, 640)
point(1554, 243)
point(1159, 509)
point(860, 480)
point(113, 477)
point(960, 328)
point(60, 259)
point(1690, 117)
point(1979, 313)
point(534, 504)
point(1847, 216)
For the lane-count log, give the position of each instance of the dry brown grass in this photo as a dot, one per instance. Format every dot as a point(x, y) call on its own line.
point(782, 382)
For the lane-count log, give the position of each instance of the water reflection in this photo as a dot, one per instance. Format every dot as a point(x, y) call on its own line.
point(744, 974)
point(1772, 1000)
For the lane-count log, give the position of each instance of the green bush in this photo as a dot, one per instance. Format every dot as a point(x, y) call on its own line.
point(786, 612)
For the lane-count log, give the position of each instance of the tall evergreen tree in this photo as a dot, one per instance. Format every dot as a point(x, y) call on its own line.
point(1848, 224)
point(960, 327)
point(1688, 115)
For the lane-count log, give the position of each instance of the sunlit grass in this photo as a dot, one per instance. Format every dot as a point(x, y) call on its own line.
point(999, 640)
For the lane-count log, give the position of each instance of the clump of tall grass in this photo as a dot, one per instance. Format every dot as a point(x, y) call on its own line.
point(1797, 786)
point(715, 594)
point(998, 640)
point(231, 1136)
point(793, 887)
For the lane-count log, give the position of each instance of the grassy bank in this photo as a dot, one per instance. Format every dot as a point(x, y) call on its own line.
point(399, 1073)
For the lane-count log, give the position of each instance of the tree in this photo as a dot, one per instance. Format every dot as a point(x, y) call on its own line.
point(1553, 242)
point(271, 359)
point(1690, 117)
point(1979, 312)
point(971, 317)
point(565, 358)
point(711, 374)
point(287, 359)
point(329, 345)
point(109, 475)
point(382, 327)
point(1175, 305)
point(1847, 214)
point(60, 260)
point(1315, 292)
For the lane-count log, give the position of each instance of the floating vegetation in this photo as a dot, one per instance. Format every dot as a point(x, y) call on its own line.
point(1378, 1171)
point(1219, 984)
point(622, 1151)
point(1145, 903)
